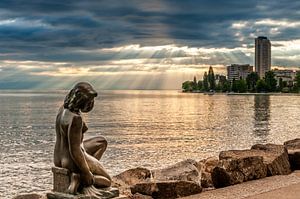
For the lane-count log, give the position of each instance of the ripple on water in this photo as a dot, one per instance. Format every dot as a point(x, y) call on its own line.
point(144, 128)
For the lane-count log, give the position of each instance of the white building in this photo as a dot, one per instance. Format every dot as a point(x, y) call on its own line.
point(238, 71)
point(286, 76)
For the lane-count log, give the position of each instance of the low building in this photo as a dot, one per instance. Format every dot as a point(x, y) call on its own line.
point(238, 71)
point(285, 75)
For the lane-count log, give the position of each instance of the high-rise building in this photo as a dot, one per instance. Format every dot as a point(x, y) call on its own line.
point(262, 56)
point(238, 71)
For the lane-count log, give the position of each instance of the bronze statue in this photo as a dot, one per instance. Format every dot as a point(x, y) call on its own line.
point(81, 157)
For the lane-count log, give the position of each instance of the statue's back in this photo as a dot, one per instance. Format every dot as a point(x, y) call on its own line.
point(62, 156)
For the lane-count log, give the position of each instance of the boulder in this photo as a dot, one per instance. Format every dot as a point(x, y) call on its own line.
point(275, 157)
point(293, 148)
point(206, 168)
point(180, 179)
point(238, 169)
point(186, 170)
point(134, 176)
point(130, 177)
point(237, 166)
point(167, 189)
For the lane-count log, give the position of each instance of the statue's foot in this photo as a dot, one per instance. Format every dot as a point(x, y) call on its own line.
point(74, 184)
point(108, 192)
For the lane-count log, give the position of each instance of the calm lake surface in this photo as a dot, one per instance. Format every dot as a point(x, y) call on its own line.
point(144, 128)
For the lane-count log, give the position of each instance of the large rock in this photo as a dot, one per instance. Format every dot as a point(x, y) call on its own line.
point(134, 176)
point(206, 168)
point(130, 177)
point(238, 169)
point(293, 147)
point(182, 175)
point(275, 157)
point(186, 170)
point(168, 189)
point(237, 166)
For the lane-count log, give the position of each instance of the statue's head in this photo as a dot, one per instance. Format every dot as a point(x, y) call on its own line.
point(80, 98)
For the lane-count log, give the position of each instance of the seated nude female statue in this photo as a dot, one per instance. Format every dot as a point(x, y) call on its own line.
point(81, 157)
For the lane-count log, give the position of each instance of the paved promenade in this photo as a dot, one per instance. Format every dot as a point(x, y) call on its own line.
point(289, 192)
point(275, 187)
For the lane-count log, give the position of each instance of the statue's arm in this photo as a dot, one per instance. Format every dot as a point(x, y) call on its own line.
point(74, 136)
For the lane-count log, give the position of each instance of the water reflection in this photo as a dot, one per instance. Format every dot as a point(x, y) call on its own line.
point(262, 116)
point(144, 128)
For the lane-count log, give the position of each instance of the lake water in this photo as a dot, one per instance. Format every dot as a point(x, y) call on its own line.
point(144, 128)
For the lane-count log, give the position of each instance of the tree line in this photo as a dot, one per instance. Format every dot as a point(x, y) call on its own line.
point(252, 83)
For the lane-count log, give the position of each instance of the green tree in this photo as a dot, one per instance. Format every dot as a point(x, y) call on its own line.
point(187, 86)
point(297, 79)
point(219, 86)
point(251, 80)
point(200, 85)
point(211, 78)
point(280, 87)
point(226, 86)
point(285, 90)
point(261, 86)
point(234, 86)
point(205, 82)
point(241, 86)
point(270, 81)
point(195, 84)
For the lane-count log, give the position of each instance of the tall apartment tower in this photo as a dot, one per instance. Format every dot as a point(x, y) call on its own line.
point(262, 56)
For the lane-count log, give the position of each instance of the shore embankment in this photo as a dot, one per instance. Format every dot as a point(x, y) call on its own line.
point(263, 171)
point(234, 174)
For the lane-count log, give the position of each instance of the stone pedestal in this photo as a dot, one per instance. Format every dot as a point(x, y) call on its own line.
point(61, 182)
point(61, 179)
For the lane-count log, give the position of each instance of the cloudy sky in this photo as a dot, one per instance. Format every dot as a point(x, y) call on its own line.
point(135, 44)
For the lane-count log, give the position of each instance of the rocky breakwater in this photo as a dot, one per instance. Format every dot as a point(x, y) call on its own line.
point(190, 177)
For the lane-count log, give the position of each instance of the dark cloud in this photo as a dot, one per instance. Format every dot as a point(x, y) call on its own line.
point(78, 31)
point(96, 24)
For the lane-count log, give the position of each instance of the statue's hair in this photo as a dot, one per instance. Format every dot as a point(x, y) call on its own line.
point(78, 95)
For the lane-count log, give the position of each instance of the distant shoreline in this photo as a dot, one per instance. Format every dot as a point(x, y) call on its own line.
point(279, 94)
